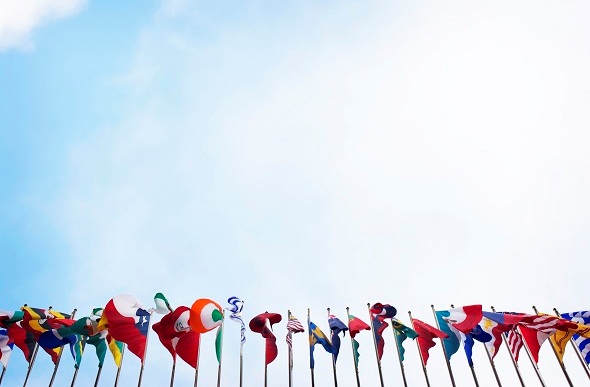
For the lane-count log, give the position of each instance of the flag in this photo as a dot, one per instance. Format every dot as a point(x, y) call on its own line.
point(379, 313)
point(317, 336)
point(99, 342)
point(456, 321)
point(116, 348)
point(495, 330)
point(582, 342)
point(175, 334)
point(78, 349)
point(293, 326)
point(236, 306)
point(9, 317)
point(355, 325)
point(534, 333)
point(6, 345)
point(336, 326)
point(127, 322)
point(402, 332)
point(478, 334)
point(206, 315)
point(263, 324)
point(426, 335)
point(507, 323)
point(24, 340)
point(162, 304)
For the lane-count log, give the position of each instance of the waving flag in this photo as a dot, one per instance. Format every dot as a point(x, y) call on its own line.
point(175, 334)
point(535, 333)
point(582, 343)
point(127, 322)
point(426, 336)
point(336, 326)
point(317, 336)
point(206, 315)
point(456, 323)
point(162, 304)
point(99, 342)
point(495, 330)
point(402, 332)
point(236, 306)
point(9, 317)
point(6, 345)
point(478, 334)
point(507, 323)
point(24, 340)
point(263, 324)
point(293, 326)
point(116, 348)
point(379, 313)
point(355, 325)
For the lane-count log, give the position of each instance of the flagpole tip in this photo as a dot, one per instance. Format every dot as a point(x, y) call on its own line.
point(432, 305)
point(368, 304)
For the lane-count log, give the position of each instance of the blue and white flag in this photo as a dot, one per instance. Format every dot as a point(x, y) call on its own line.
point(581, 342)
point(5, 347)
point(468, 340)
point(235, 307)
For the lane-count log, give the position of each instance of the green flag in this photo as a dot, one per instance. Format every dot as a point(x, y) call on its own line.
point(99, 342)
point(219, 343)
point(402, 332)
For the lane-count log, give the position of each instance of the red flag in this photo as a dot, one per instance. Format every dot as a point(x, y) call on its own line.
point(535, 333)
point(263, 324)
point(175, 334)
point(426, 336)
point(355, 325)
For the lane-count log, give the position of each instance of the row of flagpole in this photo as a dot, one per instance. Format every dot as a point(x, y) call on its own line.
point(371, 316)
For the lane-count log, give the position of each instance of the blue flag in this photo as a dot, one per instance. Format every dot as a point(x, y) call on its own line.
point(336, 326)
point(468, 340)
point(317, 336)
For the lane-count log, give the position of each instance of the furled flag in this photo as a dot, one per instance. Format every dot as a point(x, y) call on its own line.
point(235, 307)
point(583, 343)
point(116, 348)
point(426, 335)
point(263, 324)
point(127, 322)
point(6, 345)
point(402, 332)
point(175, 334)
point(162, 304)
point(317, 336)
point(293, 326)
point(534, 333)
point(456, 321)
point(379, 313)
point(24, 340)
point(206, 315)
point(355, 325)
point(99, 342)
point(336, 326)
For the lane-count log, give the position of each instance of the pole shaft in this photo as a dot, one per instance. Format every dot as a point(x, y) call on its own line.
point(399, 356)
point(61, 351)
point(310, 353)
point(333, 357)
point(173, 372)
point(290, 353)
point(221, 349)
point(493, 365)
point(98, 375)
point(147, 337)
point(375, 344)
point(514, 363)
point(356, 366)
point(442, 344)
point(2, 375)
point(197, 367)
point(120, 366)
point(420, 352)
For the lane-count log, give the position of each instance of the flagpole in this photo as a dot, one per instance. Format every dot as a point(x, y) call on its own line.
point(173, 371)
point(77, 366)
point(578, 353)
point(290, 351)
point(147, 336)
point(375, 344)
point(221, 350)
point(514, 363)
point(98, 375)
point(121, 365)
point(310, 355)
point(356, 366)
point(3, 372)
point(197, 367)
point(493, 365)
point(32, 360)
point(471, 366)
point(567, 376)
point(399, 357)
point(61, 351)
point(420, 352)
point(241, 358)
point(442, 344)
point(333, 357)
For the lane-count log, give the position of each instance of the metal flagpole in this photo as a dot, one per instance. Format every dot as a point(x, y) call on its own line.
point(333, 357)
point(420, 352)
point(493, 365)
point(442, 344)
point(76, 366)
point(241, 359)
point(399, 356)
point(514, 363)
point(290, 353)
point(98, 375)
point(119, 368)
point(535, 365)
point(61, 351)
point(32, 359)
point(2, 375)
point(356, 365)
point(471, 366)
point(221, 349)
point(197, 367)
point(310, 355)
point(173, 371)
point(375, 343)
point(578, 353)
point(147, 336)
point(569, 381)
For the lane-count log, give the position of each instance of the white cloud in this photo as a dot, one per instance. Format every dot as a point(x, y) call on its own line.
point(18, 19)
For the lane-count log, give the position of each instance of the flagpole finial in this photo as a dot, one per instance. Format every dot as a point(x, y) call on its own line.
point(368, 304)
point(347, 308)
point(432, 305)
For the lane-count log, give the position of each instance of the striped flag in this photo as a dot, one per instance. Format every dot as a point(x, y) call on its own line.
point(236, 306)
point(514, 341)
point(583, 343)
point(293, 326)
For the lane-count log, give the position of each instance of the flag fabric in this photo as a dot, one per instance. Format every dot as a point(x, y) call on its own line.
point(402, 332)
point(469, 339)
point(379, 313)
point(235, 308)
point(9, 317)
point(336, 326)
point(535, 332)
point(175, 334)
point(206, 315)
point(317, 336)
point(582, 343)
point(263, 324)
point(127, 322)
point(293, 326)
point(355, 325)
point(116, 348)
point(78, 349)
point(507, 323)
point(495, 330)
point(457, 323)
point(99, 342)
point(514, 341)
point(6, 345)
point(162, 304)
point(426, 335)
point(24, 340)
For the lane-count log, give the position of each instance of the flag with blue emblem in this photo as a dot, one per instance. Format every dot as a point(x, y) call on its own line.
point(336, 326)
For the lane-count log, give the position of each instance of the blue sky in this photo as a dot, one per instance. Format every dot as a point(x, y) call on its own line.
point(301, 154)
